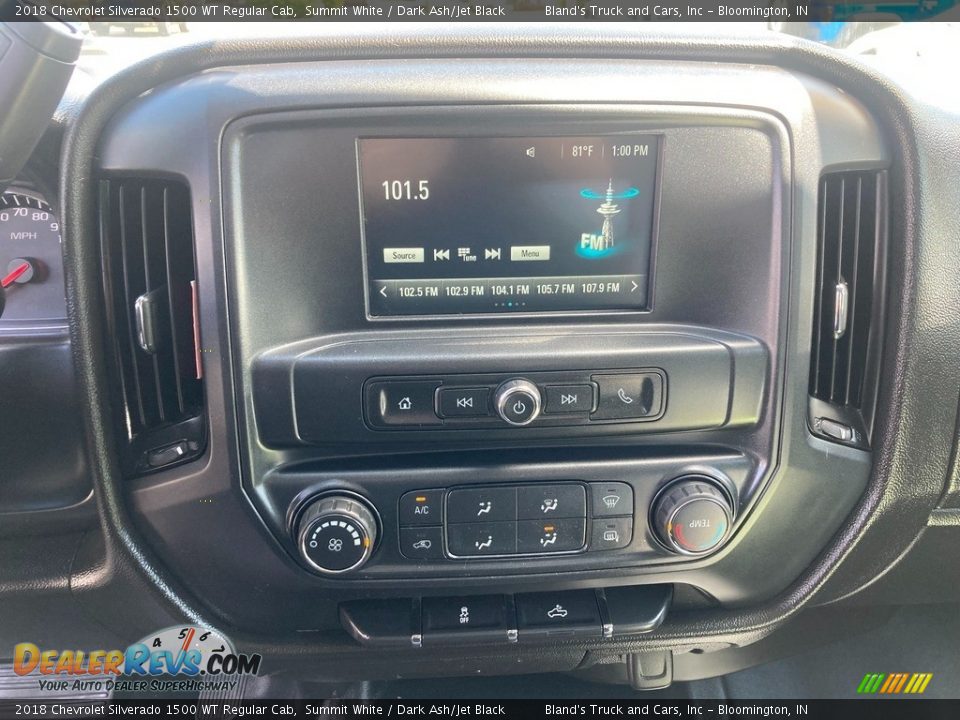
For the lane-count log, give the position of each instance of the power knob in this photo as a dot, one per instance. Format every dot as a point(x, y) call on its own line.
point(692, 516)
point(336, 534)
point(517, 402)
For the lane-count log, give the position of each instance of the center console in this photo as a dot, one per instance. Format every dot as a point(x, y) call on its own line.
point(549, 283)
point(506, 340)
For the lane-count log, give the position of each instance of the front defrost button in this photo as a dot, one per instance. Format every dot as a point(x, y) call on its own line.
point(612, 499)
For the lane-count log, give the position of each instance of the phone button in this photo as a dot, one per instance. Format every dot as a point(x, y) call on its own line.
point(629, 396)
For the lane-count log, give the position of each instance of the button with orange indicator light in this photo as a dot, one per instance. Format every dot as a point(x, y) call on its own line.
point(538, 536)
point(421, 507)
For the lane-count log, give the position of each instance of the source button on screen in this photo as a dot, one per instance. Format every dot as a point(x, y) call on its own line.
point(403, 255)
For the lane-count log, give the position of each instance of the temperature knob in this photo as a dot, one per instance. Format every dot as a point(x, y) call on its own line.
point(517, 402)
point(692, 516)
point(336, 534)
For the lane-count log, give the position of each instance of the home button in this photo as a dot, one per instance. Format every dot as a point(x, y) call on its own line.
point(401, 402)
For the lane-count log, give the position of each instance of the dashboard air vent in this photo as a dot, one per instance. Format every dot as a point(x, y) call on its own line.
point(150, 282)
point(852, 220)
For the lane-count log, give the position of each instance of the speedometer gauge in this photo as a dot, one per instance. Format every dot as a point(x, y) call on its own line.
point(31, 266)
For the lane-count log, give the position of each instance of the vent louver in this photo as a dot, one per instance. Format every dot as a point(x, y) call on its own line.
point(851, 223)
point(148, 255)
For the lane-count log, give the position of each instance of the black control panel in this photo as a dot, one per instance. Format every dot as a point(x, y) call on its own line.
point(501, 619)
point(499, 400)
point(516, 384)
point(506, 521)
point(379, 524)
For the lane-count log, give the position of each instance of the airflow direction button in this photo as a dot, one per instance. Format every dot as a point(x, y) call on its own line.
point(549, 536)
point(480, 539)
point(482, 505)
point(564, 500)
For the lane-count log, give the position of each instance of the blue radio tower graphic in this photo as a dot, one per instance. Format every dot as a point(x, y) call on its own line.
point(594, 245)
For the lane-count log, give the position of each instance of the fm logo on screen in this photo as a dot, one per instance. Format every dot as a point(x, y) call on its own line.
point(603, 244)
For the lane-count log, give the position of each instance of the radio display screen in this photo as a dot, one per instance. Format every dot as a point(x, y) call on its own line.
point(473, 225)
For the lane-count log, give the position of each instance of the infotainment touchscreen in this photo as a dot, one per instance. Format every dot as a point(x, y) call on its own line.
point(508, 225)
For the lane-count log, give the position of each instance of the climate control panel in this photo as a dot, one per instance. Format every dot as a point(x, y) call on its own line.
point(463, 527)
point(506, 521)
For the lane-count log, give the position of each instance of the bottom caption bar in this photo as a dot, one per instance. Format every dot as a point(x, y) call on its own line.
point(514, 709)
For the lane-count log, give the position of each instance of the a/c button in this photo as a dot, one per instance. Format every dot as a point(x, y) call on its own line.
point(421, 507)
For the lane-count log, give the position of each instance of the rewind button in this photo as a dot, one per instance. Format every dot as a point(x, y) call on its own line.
point(463, 402)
